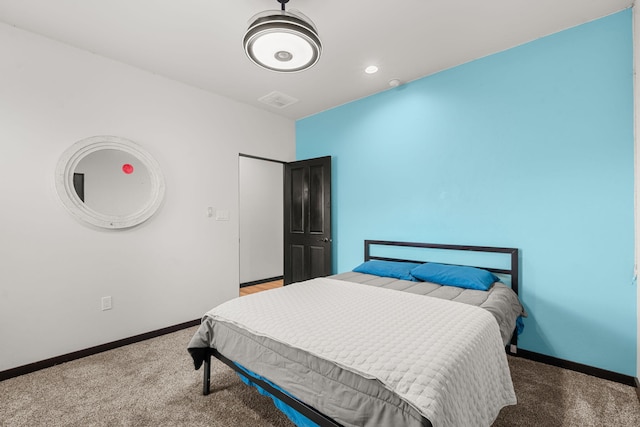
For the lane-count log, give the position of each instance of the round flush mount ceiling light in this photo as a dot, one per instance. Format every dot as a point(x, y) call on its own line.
point(282, 41)
point(371, 69)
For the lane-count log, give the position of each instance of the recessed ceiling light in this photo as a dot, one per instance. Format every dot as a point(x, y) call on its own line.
point(371, 69)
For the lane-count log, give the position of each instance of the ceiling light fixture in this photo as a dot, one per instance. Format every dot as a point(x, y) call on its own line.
point(282, 41)
point(371, 69)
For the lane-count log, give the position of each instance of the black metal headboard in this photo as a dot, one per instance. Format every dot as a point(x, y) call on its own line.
point(513, 271)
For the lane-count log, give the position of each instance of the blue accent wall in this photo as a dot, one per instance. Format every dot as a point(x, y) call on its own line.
point(530, 148)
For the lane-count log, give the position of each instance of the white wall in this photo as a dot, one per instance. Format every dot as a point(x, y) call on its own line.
point(54, 270)
point(261, 219)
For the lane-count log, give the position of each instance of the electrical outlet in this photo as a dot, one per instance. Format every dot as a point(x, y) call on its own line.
point(106, 303)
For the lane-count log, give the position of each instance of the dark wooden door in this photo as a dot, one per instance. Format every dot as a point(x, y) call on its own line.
point(307, 219)
point(78, 184)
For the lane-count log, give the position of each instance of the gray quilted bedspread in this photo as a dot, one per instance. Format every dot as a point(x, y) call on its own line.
point(442, 359)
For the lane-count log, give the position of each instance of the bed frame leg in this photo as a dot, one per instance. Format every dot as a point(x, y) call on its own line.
point(206, 382)
point(513, 345)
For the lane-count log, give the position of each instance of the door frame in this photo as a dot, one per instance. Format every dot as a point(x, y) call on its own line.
point(263, 280)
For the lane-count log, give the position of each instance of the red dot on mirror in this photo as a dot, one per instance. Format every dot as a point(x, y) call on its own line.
point(127, 168)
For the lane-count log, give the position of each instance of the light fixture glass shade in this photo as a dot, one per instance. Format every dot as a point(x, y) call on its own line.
point(282, 41)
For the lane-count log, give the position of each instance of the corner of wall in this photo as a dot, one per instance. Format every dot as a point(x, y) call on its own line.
point(636, 122)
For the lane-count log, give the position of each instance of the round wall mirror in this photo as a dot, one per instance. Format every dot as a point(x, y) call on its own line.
point(109, 182)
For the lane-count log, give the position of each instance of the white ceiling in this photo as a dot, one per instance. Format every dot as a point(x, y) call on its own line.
point(199, 42)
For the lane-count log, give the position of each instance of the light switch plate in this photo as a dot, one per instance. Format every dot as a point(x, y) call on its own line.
point(222, 215)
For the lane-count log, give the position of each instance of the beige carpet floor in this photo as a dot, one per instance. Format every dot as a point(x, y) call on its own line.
point(152, 383)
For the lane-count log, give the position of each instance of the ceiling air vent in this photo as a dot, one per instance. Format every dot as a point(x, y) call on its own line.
point(278, 99)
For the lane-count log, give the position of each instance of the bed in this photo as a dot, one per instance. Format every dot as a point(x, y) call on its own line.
point(377, 345)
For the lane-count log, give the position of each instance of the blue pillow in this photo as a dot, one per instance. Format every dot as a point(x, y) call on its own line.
point(455, 275)
point(395, 269)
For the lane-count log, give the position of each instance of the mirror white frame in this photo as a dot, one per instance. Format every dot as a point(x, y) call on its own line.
point(70, 199)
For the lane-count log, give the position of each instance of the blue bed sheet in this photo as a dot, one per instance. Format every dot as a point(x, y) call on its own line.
point(296, 417)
